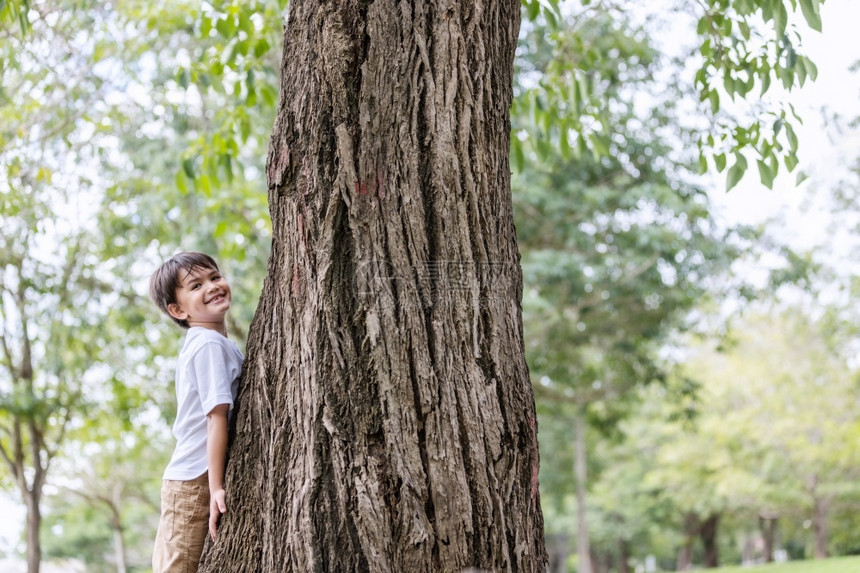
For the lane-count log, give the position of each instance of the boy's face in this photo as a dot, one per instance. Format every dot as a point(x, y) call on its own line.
point(202, 298)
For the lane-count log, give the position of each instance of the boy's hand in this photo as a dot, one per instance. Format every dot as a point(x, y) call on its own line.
point(217, 506)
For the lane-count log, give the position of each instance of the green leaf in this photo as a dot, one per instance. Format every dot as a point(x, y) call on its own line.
point(583, 90)
point(736, 171)
point(714, 99)
point(204, 184)
point(780, 20)
point(801, 71)
point(532, 9)
point(731, 88)
point(551, 18)
point(188, 167)
point(205, 26)
point(227, 164)
point(811, 68)
point(517, 153)
point(765, 80)
point(765, 174)
point(182, 181)
point(786, 75)
point(573, 95)
point(810, 9)
point(564, 143)
point(792, 137)
point(245, 23)
point(261, 47)
point(720, 161)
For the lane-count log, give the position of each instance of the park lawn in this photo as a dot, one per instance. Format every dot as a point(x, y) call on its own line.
point(832, 565)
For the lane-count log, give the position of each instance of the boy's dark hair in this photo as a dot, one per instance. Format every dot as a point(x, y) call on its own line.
point(165, 280)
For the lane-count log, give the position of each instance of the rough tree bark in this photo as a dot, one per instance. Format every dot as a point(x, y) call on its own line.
point(386, 420)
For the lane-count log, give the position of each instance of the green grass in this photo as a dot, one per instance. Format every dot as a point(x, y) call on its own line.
point(833, 565)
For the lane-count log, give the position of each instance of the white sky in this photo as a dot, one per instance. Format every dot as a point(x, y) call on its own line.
point(822, 155)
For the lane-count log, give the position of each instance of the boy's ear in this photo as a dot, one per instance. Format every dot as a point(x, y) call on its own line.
point(176, 312)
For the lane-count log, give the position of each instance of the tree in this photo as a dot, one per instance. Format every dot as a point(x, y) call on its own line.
point(59, 309)
point(773, 438)
point(617, 250)
point(49, 361)
point(386, 420)
point(106, 508)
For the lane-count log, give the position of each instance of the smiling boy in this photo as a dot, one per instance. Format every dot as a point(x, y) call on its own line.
point(191, 290)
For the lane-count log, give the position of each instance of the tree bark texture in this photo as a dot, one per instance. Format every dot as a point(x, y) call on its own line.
point(386, 419)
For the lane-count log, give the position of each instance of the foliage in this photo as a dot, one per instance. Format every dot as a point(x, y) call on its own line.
point(739, 45)
point(616, 251)
point(108, 494)
point(776, 431)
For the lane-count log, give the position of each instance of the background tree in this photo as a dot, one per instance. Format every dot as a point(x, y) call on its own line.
point(107, 505)
point(617, 250)
point(52, 296)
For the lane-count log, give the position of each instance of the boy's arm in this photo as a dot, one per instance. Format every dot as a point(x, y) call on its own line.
point(216, 453)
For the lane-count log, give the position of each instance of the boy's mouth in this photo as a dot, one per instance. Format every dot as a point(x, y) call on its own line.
point(216, 298)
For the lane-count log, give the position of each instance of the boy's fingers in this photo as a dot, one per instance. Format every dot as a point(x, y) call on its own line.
point(222, 506)
point(213, 524)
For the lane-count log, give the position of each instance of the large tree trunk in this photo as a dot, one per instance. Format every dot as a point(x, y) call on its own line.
point(386, 420)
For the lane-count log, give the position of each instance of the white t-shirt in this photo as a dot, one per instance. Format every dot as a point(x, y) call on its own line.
point(207, 374)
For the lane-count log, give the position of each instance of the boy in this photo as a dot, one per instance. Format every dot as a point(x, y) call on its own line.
point(190, 289)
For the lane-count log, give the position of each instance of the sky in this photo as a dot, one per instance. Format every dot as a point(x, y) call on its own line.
point(824, 154)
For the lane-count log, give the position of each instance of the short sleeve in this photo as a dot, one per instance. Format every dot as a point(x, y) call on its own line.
point(213, 375)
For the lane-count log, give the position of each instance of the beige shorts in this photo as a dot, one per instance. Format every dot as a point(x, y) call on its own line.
point(183, 527)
